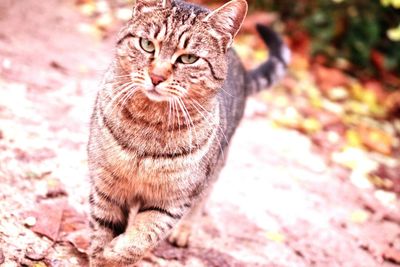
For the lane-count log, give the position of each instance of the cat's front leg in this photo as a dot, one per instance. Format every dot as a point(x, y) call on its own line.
point(108, 218)
point(144, 231)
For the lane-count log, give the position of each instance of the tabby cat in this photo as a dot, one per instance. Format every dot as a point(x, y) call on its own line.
point(167, 108)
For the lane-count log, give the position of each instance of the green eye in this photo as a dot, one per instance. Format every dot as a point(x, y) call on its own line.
point(147, 45)
point(188, 59)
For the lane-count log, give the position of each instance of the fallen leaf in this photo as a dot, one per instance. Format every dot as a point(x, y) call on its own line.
point(338, 93)
point(390, 174)
point(392, 255)
point(353, 139)
point(80, 240)
point(275, 236)
point(328, 78)
point(359, 216)
point(380, 182)
point(392, 103)
point(104, 22)
point(39, 264)
point(73, 221)
point(377, 88)
point(87, 9)
point(299, 62)
point(385, 198)
point(48, 218)
point(354, 158)
point(376, 140)
point(91, 30)
point(300, 41)
point(311, 125)
point(75, 229)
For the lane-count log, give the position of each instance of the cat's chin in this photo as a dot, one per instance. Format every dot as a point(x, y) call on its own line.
point(155, 96)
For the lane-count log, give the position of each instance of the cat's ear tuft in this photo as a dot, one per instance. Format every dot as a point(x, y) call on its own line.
point(229, 17)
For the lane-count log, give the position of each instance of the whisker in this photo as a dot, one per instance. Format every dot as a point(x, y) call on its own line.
point(122, 76)
point(226, 139)
point(173, 91)
point(177, 115)
point(127, 97)
point(190, 120)
point(187, 123)
point(215, 124)
point(179, 121)
point(169, 114)
point(226, 92)
point(125, 88)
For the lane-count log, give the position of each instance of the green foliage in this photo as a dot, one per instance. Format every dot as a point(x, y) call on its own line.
point(349, 29)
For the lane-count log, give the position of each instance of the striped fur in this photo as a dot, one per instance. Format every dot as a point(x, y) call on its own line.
point(275, 68)
point(160, 128)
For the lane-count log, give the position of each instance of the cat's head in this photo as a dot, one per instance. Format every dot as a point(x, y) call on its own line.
point(176, 49)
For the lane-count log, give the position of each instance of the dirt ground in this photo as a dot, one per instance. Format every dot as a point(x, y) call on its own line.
point(277, 202)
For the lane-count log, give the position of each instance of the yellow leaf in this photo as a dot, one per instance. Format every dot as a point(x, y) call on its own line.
point(88, 9)
point(90, 29)
point(353, 138)
point(311, 125)
point(359, 216)
point(369, 98)
point(39, 264)
point(104, 21)
point(394, 34)
point(316, 102)
point(357, 107)
point(275, 236)
point(352, 158)
point(281, 101)
point(338, 94)
point(380, 182)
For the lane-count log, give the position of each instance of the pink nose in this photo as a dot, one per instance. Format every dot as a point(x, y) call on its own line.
point(157, 79)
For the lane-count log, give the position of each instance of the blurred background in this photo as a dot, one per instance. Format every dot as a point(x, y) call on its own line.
point(313, 174)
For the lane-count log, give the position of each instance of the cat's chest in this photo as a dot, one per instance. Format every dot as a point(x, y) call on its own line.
point(155, 180)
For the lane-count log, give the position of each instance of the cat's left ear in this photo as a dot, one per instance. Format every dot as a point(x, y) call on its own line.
point(229, 18)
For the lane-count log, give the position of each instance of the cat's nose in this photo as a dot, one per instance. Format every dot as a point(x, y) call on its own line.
point(157, 79)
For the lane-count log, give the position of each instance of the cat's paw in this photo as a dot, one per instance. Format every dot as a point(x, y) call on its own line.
point(121, 252)
point(180, 235)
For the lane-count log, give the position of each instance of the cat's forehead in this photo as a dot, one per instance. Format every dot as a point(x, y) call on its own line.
point(175, 21)
point(170, 21)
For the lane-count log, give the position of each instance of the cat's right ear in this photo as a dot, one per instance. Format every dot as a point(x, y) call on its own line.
point(149, 5)
point(228, 19)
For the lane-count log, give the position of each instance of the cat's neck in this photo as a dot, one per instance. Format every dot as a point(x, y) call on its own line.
point(173, 112)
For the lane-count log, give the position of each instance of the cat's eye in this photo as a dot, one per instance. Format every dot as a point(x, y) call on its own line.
point(188, 59)
point(147, 45)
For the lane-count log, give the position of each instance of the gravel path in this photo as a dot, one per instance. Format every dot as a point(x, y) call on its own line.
point(277, 203)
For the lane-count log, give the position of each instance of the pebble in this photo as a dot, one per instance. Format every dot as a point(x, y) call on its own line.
point(6, 64)
point(30, 221)
point(31, 254)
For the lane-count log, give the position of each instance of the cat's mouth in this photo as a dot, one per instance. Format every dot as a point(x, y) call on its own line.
point(155, 95)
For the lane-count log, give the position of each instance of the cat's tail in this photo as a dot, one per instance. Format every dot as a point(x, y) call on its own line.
point(274, 69)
